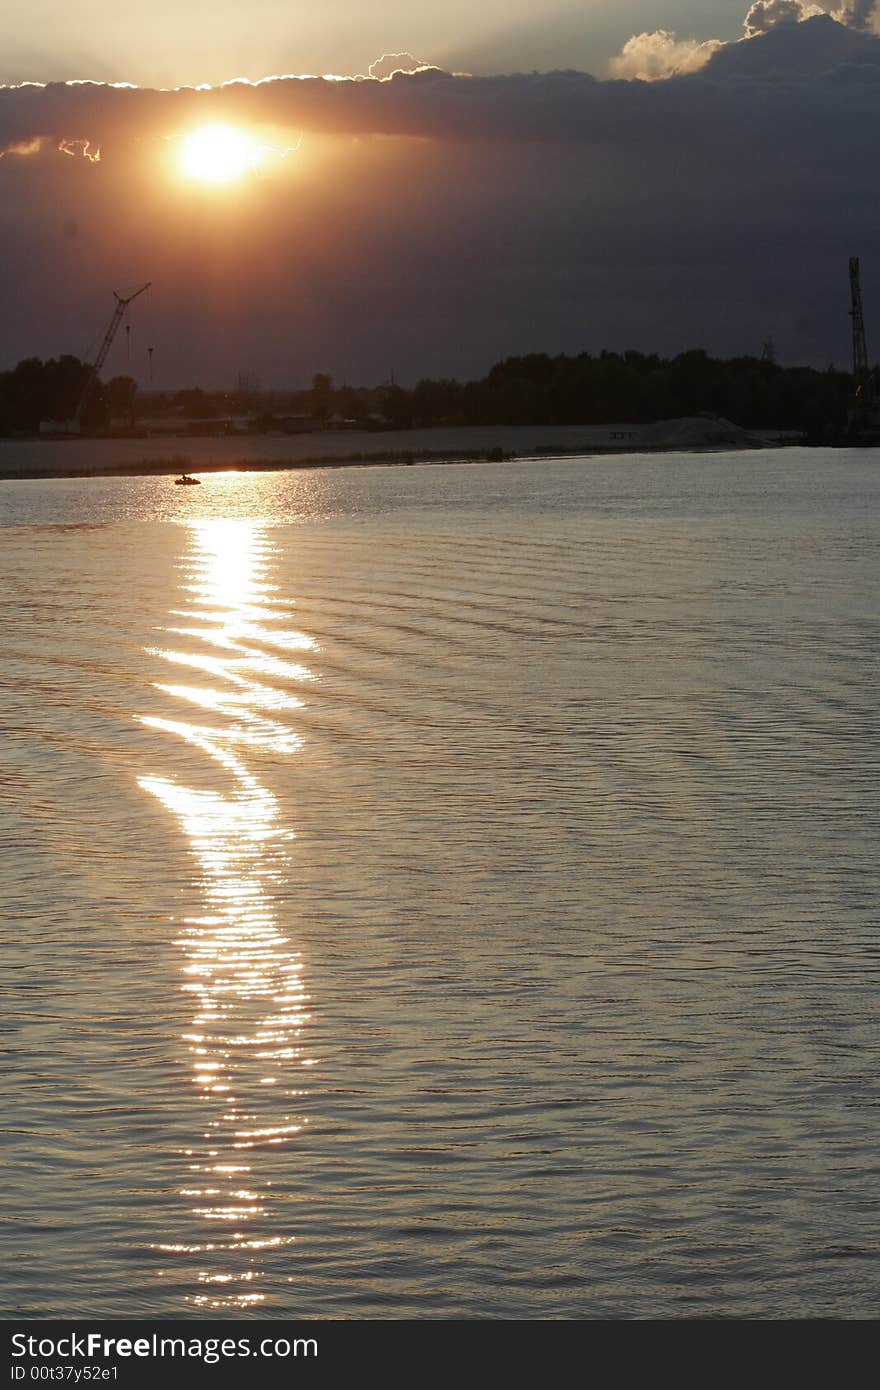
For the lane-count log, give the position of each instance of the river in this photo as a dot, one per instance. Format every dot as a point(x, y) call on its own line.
point(444, 891)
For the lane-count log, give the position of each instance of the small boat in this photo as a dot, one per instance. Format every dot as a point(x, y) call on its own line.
point(186, 481)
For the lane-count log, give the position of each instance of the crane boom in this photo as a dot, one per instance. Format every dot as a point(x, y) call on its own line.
point(860, 350)
point(863, 417)
point(122, 304)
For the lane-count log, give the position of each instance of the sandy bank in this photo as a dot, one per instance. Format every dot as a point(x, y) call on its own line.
point(36, 458)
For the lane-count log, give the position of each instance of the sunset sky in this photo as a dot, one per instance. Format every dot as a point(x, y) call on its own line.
point(166, 44)
point(661, 175)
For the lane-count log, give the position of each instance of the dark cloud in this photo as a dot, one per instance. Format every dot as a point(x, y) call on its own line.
point(765, 15)
point(807, 51)
point(432, 103)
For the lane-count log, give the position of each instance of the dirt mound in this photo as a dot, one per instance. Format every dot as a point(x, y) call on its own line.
point(698, 432)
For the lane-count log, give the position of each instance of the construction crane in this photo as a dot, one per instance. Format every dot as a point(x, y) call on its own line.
point(860, 350)
point(122, 303)
point(864, 417)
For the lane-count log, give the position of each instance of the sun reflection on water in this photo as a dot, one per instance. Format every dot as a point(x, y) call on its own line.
point(240, 971)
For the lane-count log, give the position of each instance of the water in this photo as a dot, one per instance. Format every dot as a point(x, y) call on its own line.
point(443, 892)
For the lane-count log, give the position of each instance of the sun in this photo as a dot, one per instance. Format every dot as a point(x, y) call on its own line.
point(217, 154)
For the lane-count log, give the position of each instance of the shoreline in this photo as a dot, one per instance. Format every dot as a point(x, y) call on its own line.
point(162, 468)
point(162, 456)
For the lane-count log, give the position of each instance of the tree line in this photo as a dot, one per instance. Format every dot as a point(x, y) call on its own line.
point(638, 388)
point(35, 391)
point(535, 389)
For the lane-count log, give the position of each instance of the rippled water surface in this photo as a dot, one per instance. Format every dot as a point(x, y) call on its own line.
point(444, 892)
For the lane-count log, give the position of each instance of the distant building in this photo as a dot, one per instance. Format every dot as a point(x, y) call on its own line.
point(300, 424)
point(50, 427)
point(223, 425)
point(195, 425)
point(284, 424)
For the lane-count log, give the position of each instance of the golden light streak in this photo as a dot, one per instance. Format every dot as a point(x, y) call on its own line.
point(240, 971)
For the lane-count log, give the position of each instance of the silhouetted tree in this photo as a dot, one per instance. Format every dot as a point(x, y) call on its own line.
point(35, 391)
point(755, 392)
point(119, 398)
point(321, 395)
